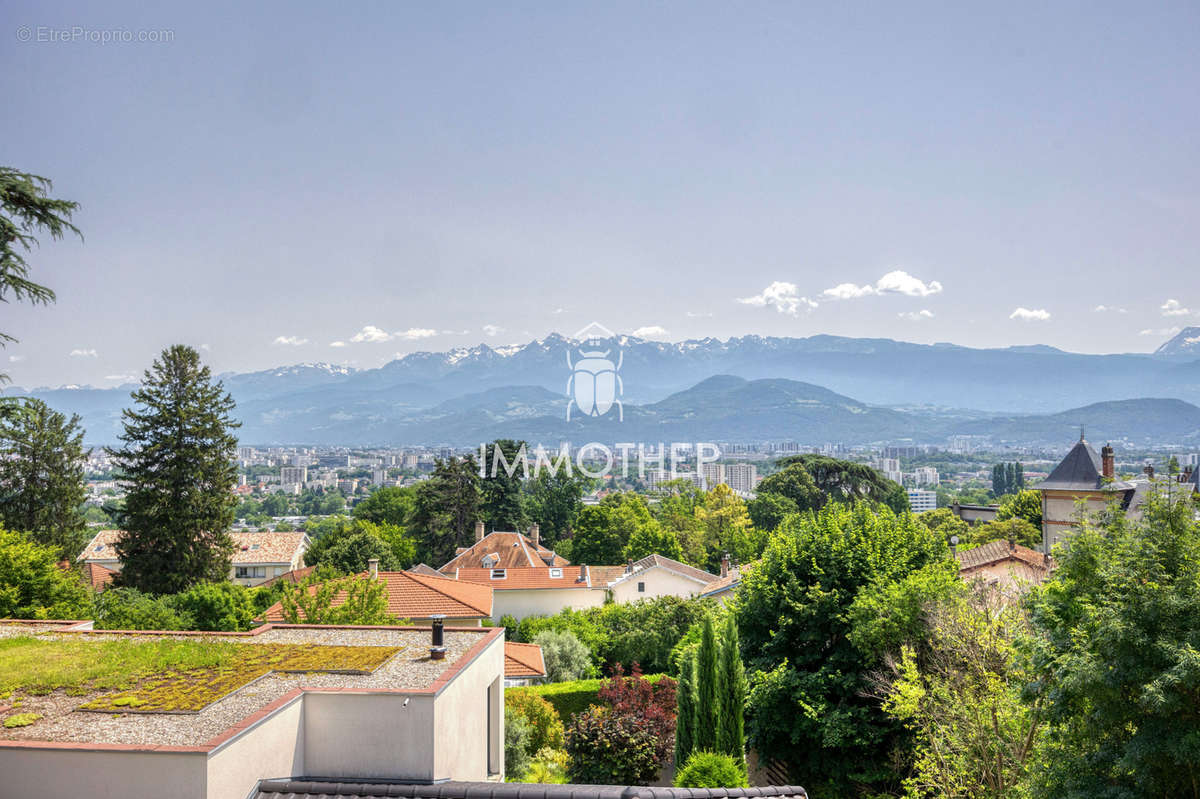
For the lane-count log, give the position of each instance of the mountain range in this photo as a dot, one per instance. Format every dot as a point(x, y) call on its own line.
point(816, 389)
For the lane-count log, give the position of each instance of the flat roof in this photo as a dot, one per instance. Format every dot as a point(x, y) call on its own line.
point(407, 670)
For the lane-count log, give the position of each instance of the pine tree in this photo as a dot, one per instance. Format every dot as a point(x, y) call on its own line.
point(445, 509)
point(685, 711)
point(41, 477)
point(731, 726)
point(179, 472)
point(707, 689)
point(501, 495)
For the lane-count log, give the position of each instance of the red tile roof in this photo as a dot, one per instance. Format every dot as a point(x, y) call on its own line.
point(997, 552)
point(269, 547)
point(294, 576)
point(508, 551)
point(523, 660)
point(418, 596)
point(514, 579)
point(663, 562)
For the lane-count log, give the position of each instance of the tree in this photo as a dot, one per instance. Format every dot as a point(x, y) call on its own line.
point(545, 725)
point(849, 482)
point(708, 690)
point(32, 586)
point(276, 504)
point(794, 484)
point(387, 505)
point(767, 511)
point(810, 705)
point(652, 538)
point(554, 502)
point(944, 522)
point(565, 657)
point(41, 476)
point(1114, 657)
point(345, 600)
point(597, 540)
point(499, 492)
point(973, 737)
point(26, 209)
point(445, 510)
point(1025, 505)
point(731, 683)
point(517, 737)
point(727, 528)
point(608, 748)
point(178, 468)
point(686, 700)
point(1014, 529)
point(651, 705)
point(225, 607)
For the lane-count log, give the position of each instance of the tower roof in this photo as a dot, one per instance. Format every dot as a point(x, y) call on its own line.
point(1081, 470)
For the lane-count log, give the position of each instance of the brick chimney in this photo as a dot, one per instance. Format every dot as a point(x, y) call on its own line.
point(535, 534)
point(478, 531)
point(1108, 462)
point(583, 577)
point(725, 565)
point(373, 568)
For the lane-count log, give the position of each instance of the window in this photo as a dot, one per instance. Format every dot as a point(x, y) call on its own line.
point(641, 588)
point(497, 574)
point(248, 572)
point(556, 572)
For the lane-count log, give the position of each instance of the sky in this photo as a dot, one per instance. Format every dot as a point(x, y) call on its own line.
point(283, 182)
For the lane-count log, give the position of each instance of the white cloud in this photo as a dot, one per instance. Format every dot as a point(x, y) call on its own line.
point(916, 316)
point(783, 297)
point(1174, 308)
point(847, 291)
point(901, 282)
point(1030, 314)
point(895, 282)
point(15, 358)
point(372, 334)
point(414, 333)
point(122, 378)
point(455, 332)
point(651, 331)
point(205, 347)
point(337, 343)
point(492, 330)
point(698, 315)
point(559, 310)
point(83, 354)
point(291, 341)
point(1109, 309)
point(1159, 331)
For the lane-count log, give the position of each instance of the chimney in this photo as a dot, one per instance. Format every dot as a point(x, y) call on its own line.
point(1108, 462)
point(478, 532)
point(629, 565)
point(582, 574)
point(1149, 471)
point(1012, 545)
point(373, 568)
point(437, 648)
point(535, 534)
point(725, 565)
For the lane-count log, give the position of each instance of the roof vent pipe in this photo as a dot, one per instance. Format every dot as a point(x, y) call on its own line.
point(437, 649)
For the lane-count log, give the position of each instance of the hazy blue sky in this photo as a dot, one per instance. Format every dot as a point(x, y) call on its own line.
point(283, 177)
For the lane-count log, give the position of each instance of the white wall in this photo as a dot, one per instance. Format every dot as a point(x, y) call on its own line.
point(461, 719)
point(659, 582)
point(273, 747)
point(369, 735)
point(98, 774)
point(543, 601)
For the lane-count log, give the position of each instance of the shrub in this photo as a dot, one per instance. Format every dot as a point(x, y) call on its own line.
point(347, 600)
point(651, 705)
point(516, 744)
point(21, 720)
point(511, 627)
point(549, 767)
point(130, 609)
point(608, 748)
point(569, 698)
point(33, 586)
point(545, 726)
point(216, 606)
point(711, 770)
point(565, 656)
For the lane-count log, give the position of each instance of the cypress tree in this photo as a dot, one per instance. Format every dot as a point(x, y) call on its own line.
point(41, 476)
point(1010, 479)
point(998, 480)
point(1020, 476)
point(707, 690)
point(685, 711)
point(731, 727)
point(179, 472)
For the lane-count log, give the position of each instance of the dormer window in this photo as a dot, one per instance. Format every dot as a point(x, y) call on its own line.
point(556, 572)
point(498, 574)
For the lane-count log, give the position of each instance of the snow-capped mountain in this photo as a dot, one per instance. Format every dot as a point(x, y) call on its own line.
point(1185, 346)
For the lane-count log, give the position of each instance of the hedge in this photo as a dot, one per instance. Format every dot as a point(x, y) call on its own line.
point(569, 698)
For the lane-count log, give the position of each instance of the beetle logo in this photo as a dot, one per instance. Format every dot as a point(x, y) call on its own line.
point(595, 386)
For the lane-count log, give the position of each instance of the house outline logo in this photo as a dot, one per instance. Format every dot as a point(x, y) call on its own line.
point(595, 384)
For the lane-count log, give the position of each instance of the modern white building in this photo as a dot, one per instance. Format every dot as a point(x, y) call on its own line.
point(293, 474)
point(921, 500)
point(741, 477)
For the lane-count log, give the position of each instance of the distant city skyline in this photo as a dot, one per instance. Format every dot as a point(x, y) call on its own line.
point(288, 183)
